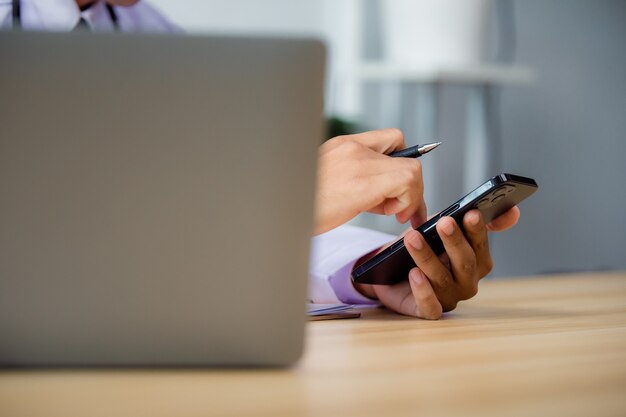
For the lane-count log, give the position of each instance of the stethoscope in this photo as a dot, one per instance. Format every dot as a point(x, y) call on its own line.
point(17, 16)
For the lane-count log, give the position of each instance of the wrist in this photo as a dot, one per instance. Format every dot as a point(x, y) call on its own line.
point(366, 289)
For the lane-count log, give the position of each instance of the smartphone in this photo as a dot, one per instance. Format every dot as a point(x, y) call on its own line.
point(493, 198)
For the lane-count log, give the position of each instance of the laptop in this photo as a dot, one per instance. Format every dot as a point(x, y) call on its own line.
point(156, 198)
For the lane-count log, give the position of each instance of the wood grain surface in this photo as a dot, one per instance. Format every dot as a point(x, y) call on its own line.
point(540, 346)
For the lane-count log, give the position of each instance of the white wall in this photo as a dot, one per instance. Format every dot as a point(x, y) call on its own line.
point(247, 16)
point(337, 22)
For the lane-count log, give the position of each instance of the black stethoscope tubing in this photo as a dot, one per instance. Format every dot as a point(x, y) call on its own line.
point(17, 15)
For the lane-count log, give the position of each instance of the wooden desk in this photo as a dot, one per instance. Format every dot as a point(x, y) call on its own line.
point(526, 347)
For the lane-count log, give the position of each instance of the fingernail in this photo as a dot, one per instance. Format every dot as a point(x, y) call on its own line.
point(447, 227)
point(416, 277)
point(414, 239)
point(474, 218)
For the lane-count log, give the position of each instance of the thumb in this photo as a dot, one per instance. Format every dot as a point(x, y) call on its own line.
point(427, 306)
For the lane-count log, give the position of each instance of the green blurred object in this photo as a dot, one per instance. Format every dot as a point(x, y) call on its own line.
point(336, 126)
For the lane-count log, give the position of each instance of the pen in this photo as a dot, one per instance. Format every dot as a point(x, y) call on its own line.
point(415, 151)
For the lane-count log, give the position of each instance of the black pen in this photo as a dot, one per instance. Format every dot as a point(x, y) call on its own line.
point(415, 151)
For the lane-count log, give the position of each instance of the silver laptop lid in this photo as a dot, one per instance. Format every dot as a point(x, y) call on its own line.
point(156, 198)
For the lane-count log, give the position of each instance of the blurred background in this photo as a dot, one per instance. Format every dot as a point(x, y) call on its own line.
point(533, 87)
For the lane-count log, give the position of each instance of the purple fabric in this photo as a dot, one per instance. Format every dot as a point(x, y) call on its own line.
point(341, 282)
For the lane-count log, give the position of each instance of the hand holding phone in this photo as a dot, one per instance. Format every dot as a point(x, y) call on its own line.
point(492, 198)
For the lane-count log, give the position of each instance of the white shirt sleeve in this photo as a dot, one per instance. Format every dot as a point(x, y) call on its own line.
point(333, 255)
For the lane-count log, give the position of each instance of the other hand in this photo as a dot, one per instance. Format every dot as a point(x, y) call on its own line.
point(355, 175)
point(438, 283)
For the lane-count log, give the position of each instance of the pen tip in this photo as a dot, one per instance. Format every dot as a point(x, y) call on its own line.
point(429, 147)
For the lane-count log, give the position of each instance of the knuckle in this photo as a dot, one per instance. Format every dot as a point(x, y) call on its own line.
point(468, 268)
point(416, 173)
point(410, 175)
point(474, 289)
point(488, 265)
point(414, 169)
point(459, 240)
point(471, 290)
point(338, 140)
point(349, 146)
point(416, 166)
point(395, 132)
point(449, 305)
point(405, 177)
point(443, 279)
point(482, 245)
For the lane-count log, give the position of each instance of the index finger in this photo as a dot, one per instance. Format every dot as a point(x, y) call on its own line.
point(505, 221)
point(382, 141)
point(420, 216)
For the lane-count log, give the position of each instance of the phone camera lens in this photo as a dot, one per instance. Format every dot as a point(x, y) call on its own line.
point(484, 203)
point(497, 198)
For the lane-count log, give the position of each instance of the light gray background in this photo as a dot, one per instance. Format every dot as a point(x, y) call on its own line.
point(567, 130)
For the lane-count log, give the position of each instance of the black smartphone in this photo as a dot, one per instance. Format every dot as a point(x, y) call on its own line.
point(493, 198)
